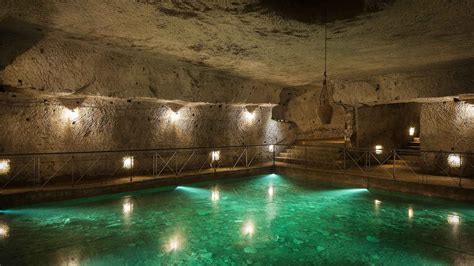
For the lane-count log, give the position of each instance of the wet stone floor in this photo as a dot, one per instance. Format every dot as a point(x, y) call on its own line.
point(258, 221)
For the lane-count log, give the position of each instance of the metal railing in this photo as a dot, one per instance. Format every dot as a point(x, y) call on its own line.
point(437, 167)
point(70, 169)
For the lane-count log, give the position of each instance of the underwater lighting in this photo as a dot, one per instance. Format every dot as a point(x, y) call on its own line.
point(410, 212)
point(215, 156)
point(215, 196)
point(378, 149)
point(71, 114)
point(377, 202)
point(4, 231)
point(4, 166)
point(127, 208)
point(128, 162)
point(248, 229)
point(454, 219)
point(411, 131)
point(454, 160)
point(271, 148)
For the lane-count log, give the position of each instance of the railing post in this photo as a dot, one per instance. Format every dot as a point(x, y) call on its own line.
point(460, 169)
point(273, 157)
point(394, 159)
point(72, 170)
point(344, 169)
point(305, 158)
point(246, 157)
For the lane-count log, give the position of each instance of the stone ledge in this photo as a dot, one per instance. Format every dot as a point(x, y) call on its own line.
point(41, 196)
point(371, 183)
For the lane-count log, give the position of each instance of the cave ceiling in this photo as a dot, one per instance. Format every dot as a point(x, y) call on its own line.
point(277, 41)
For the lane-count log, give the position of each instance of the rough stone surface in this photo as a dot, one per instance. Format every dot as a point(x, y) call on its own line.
point(74, 68)
point(259, 40)
point(301, 109)
point(447, 126)
point(31, 124)
point(386, 125)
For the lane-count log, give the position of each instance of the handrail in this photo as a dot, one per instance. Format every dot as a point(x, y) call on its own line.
point(134, 150)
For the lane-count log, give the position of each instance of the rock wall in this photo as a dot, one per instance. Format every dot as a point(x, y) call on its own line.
point(33, 124)
point(386, 125)
point(53, 65)
point(447, 126)
point(300, 107)
point(400, 86)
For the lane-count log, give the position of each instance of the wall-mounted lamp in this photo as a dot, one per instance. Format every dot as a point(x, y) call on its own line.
point(215, 156)
point(454, 160)
point(271, 148)
point(411, 131)
point(173, 112)
point(4, 166)
point(71, 114)
point(250, 113)
point(378, 149)
point(128, 162)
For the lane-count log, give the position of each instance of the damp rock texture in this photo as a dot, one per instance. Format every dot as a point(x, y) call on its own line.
point(447, 126)
point(300, 108)
point(31, 124)
point(275, 41)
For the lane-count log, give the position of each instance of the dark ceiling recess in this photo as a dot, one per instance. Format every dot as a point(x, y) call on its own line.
point(313, 11)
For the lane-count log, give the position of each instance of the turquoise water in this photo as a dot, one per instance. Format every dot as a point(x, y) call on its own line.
point(264, 220)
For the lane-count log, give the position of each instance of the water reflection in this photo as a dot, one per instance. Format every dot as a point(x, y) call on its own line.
point(174, 243)
point(248, 229)
point(4, 230)
point(271, 191)
point(411, 213)
point(215, 196)
point(454, 219)
point(127, 208)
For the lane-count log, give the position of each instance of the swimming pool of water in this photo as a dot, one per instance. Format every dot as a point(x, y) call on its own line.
point(263, 220)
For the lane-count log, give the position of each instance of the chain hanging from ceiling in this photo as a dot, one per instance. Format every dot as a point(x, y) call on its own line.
point(325, 109)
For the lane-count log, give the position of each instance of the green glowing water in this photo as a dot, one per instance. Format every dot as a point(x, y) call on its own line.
point(264, 220)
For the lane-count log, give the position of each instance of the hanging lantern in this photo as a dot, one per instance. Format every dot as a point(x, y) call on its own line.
point(325, 109)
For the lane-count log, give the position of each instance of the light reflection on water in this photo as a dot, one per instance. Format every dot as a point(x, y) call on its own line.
point(296, 225)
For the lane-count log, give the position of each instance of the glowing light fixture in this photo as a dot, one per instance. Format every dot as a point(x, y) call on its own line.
point(454, 160)
point(174, 116)
point(215, 196)
point(271, 148)
point(4, 166)
point(127, 208)
point(128, 162)
point(215, 156)
point(378, 149)
point(71, 114)
point(4, 231)
point(454, 219)
point(377, 202)
point(248, 229)
point(411, 213)
point(249, 116)
point(411, 131)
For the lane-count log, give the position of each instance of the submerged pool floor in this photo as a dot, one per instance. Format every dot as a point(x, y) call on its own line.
point(264, 220)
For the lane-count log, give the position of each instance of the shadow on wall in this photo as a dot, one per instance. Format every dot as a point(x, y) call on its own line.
point(313, 11)
point(17, 37)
